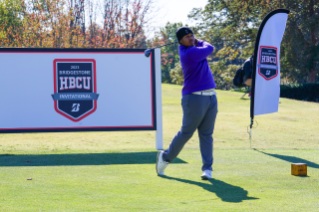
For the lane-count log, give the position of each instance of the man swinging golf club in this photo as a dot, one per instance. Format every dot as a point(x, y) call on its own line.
point(199, 102)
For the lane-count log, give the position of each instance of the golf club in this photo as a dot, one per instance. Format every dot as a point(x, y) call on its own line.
point(147, 52)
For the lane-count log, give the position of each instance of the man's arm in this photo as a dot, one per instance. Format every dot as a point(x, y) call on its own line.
point(200, 51)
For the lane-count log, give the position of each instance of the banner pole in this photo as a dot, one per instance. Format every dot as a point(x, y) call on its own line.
point(250, 133)
point(250, 137)
point(159, 112)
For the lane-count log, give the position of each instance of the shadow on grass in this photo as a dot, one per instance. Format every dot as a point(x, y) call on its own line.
point(226, 192)
point(291, 159)
point(81, 159)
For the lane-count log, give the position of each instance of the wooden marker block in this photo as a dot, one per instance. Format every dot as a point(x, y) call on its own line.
point(299, 169)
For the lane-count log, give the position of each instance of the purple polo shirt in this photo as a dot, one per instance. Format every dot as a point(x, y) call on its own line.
point(197, 74)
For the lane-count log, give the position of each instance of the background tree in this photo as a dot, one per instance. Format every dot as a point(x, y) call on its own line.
point(63, 23)
point(237, 22)
point(176, 74)
point(169, 53)
point(11, 13)
point(77, 12)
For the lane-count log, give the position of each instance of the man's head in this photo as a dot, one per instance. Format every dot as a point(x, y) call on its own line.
point(185, 36)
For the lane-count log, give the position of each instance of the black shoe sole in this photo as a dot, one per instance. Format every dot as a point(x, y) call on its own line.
point(205, 178)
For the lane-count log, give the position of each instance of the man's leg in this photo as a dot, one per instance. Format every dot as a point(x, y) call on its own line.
point(205, 133)
point(194, 108)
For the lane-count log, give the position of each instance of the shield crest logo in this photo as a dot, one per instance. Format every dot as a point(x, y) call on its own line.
point(75, 94)
point(268, 62)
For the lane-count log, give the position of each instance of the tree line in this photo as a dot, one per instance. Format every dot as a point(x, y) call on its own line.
point(232, 26)
point(73, 23)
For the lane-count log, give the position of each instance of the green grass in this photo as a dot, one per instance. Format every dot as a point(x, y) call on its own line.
point(115, 171)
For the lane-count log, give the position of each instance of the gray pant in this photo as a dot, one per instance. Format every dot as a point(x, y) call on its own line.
point(199, 112)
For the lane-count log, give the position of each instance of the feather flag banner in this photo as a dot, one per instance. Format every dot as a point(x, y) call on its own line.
point(266, 64)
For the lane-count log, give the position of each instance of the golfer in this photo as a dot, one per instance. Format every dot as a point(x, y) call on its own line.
point(199, 102)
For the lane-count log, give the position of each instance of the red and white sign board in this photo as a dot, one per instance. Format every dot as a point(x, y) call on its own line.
point(58, 90)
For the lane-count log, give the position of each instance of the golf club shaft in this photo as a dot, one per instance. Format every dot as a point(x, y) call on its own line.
point(164, 45)
point(147, 52)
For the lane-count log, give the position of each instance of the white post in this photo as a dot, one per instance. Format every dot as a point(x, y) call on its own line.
point(158, 82)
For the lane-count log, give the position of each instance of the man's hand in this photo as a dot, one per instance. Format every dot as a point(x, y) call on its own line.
point(196, 42)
